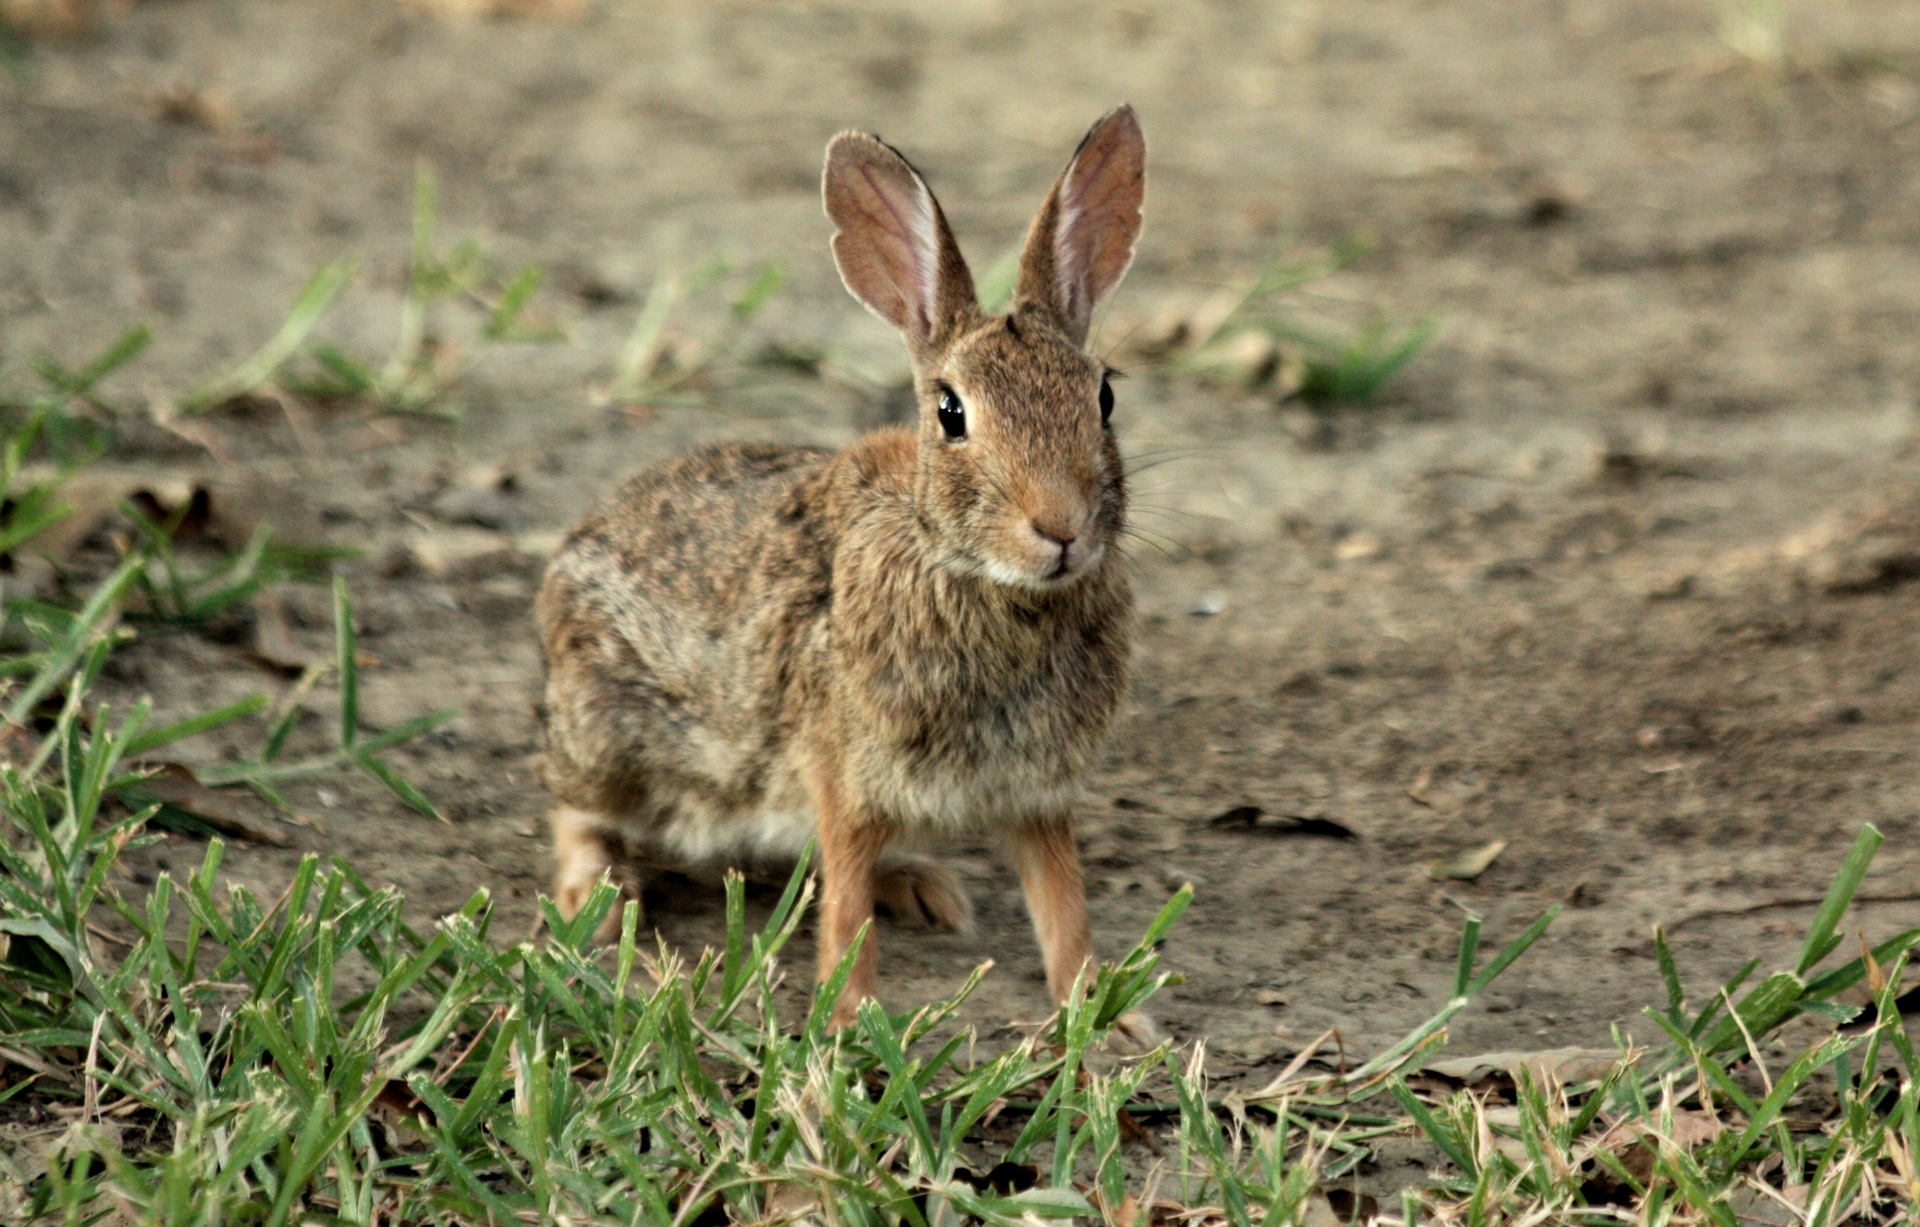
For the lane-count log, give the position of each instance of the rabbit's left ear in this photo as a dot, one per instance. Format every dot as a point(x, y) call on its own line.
point(1081, 242)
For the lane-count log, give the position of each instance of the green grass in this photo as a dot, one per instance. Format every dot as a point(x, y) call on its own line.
point(1253, 334)
point(425, 361)
point(651, 369)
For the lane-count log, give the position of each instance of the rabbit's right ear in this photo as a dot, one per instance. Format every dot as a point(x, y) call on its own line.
point(891, 241)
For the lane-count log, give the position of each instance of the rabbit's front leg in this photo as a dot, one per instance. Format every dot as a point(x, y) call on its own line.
point(1048, 860)
point(850, 845)
point(1049, 863)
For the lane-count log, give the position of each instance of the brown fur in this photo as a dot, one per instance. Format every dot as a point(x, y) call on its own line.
point(910, 637)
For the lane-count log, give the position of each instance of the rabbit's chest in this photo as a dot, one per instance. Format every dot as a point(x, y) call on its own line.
point(969, 734)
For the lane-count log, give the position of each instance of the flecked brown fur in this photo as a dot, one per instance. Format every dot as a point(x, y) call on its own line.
point(912, 637)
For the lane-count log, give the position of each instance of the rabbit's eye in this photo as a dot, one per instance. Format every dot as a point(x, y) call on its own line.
point(1106, 401)
point(953, 415)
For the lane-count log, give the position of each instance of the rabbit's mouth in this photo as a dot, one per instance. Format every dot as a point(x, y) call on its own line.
point(1062, 565)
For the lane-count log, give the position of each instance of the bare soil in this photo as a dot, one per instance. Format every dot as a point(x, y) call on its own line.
point(1616, 573)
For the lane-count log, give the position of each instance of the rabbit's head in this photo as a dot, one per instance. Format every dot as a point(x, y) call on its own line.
point(1018, 476)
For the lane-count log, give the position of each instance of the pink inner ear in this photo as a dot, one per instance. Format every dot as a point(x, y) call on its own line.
point(1099, 216)
point(1099, 219)
point(905, 217)
point(887, 246)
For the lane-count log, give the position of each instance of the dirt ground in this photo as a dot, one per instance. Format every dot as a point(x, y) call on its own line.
point(1615, 573)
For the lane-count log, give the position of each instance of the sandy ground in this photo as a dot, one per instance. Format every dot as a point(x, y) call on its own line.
point(1601, 576)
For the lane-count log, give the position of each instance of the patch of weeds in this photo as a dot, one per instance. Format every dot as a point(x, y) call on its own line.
point(1354, 370)
point(1704, 1131)
point(261, 369)
point(268, 771)
point(1251, 334)
point(45, 425)
point(424, 362)
point(657, 360)
point(176, 596)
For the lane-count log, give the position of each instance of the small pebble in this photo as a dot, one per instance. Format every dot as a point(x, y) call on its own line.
point(1209, 604)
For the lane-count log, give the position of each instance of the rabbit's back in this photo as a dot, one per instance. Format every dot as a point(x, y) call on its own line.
point(671, 617)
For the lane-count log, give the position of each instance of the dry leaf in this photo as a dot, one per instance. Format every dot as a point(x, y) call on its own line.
point(226, 812)
point(1756, 1205)
point(461, 552)
point(1691, 1129)
point(1562, 1065)
point(1318, 1212)
point(1253, 818)
point(211, 108)
point(273, 643)
point(1444, 789)
point(1468, 865)
point(1356, 546)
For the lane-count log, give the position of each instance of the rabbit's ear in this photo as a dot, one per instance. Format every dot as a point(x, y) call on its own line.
point(892, 243)
point(1081, 242)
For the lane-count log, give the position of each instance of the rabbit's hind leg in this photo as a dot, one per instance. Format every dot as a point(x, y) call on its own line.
point(918, 890)
point(587, 847)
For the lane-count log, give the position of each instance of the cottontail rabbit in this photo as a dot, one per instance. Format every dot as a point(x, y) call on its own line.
point(924, 634)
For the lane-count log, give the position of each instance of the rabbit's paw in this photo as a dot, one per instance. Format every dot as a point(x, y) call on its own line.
point(1134, 1033)
point(584, 860)
point(917, 891)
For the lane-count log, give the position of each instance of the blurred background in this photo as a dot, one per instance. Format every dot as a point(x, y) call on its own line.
point(1522, 394)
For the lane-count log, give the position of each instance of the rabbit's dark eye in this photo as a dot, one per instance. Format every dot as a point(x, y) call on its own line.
point(953, 415)
point(1106, 401)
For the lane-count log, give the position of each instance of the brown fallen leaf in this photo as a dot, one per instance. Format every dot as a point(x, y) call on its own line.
point(192, 508)
point(1761, 1205)
point(208, 107)
point(1319, 1212)
point(1253, 818)
point(1468, 865)
point(226, 812)
point(1636, 1139)
point(1562, 1065)
point(463, 552)
point(273, 643)
point(1443, 788)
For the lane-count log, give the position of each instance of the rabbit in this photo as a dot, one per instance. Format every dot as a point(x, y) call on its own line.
point(925, 634)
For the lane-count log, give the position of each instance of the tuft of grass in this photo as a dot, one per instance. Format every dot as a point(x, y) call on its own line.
point(1250, 334)
point(175, 596)
point(266, 772)
point(651, 366)
point(44, 424)
point(1354, 370)
point(262, 369)
point(423, 364)
point(1683, 1134)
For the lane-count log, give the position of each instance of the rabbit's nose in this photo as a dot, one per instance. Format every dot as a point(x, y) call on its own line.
point(1056, 534)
